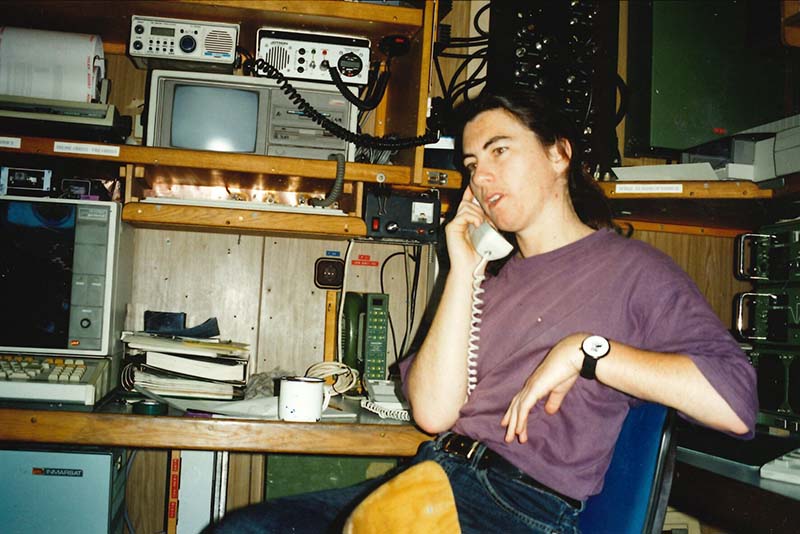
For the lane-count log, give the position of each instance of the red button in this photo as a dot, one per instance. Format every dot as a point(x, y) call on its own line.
point(376, 224)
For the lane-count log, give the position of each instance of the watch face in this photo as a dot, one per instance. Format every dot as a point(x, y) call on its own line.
point(595, 346)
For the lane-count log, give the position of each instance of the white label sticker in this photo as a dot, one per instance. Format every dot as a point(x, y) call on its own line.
point(654, 189)
point(85, 148)
point(10, 142)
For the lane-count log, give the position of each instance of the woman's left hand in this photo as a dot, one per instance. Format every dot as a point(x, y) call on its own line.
point(553, 379)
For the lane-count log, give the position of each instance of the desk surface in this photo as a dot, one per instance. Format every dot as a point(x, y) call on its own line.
point(729, 493)
point(736, 459)
point(168, 432)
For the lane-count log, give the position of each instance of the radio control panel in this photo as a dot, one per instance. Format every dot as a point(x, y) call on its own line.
point(308, 56)
point(164, 43)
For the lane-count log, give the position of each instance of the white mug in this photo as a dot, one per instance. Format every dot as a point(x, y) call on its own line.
point(302, 398)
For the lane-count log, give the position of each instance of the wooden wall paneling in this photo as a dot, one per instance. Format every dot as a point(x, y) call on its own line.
point(331, 307)
point(203, 274)
point(708, 261)
point(145, 492)
point(127, 84)
point(245, 480)
point(292, 324)
point(146, 488)
point(292, 318)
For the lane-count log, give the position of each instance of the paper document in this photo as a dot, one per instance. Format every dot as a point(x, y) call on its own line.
point(681, 172)
point(208, 348)
point(47, 64)
point(257, 408)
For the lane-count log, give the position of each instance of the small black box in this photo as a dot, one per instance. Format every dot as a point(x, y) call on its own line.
point(403, 215)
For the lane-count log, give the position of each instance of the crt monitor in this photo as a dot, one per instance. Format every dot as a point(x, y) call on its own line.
point(63, 282)
point(244, 115)
point(234, 125)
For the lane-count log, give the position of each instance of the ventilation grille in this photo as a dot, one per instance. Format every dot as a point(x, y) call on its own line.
point(219, 42)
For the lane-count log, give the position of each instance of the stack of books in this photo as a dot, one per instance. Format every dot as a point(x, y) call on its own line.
point(185, 367)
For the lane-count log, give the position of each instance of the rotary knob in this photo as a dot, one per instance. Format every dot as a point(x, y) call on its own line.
point(188, 44)
point(392, 227)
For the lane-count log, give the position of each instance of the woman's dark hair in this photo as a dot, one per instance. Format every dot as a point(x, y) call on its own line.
point(550, 125)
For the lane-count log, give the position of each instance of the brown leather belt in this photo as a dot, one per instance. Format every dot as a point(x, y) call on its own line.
point(467, 448)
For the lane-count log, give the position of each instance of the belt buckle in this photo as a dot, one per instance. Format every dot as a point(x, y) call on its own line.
point(447, 441)
point(449, 446)
point(472, 449)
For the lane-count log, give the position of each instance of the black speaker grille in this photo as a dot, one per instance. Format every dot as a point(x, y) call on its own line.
point(278, 57)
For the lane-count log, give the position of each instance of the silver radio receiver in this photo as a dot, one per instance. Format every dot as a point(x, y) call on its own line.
point(183, 44)
point(306, 56)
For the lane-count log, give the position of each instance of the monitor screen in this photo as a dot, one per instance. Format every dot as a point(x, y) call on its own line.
point(57, 275)
point(223, 119)
point(36, 272)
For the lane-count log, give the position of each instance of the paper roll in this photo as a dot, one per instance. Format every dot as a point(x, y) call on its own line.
point(46, 64)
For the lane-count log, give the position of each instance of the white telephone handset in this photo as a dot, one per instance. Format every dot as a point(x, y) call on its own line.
point(491, 246)
point(488, 242)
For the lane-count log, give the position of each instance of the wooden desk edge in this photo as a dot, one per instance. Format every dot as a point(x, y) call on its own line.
point(244, 435)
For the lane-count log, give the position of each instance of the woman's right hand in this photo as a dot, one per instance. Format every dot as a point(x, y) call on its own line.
point(459, 246)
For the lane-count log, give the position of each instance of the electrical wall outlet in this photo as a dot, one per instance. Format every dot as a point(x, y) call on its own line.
point(329, 273)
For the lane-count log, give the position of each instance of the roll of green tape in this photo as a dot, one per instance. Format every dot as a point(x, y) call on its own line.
point(149, 407)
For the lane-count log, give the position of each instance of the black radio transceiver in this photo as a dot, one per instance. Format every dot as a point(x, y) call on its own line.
point(403, 215)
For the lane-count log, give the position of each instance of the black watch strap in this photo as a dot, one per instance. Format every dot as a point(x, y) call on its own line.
point(588, 368)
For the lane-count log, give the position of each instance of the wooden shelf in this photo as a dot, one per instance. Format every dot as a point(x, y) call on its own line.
point(147, 170)
point(220, 161)
point(685, 229)
point(688, 190)
point(402, 114)
point(202, 218)
point(112, 19)
point(124, 430)
point(723, 209)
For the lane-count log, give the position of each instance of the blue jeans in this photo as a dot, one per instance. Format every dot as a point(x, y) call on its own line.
point(486, 501)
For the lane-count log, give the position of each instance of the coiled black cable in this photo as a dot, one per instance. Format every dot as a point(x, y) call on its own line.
point(259, 66)
point(372, 99)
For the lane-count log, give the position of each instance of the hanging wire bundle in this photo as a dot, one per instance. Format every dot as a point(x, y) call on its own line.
point(454, 89)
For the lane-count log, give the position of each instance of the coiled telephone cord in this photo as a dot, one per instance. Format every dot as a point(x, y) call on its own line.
point(475, 325)
point(385, 413)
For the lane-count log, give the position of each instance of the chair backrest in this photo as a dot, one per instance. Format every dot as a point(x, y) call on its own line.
point(637, 484)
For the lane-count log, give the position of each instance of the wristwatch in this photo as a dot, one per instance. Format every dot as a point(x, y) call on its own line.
point(594, 347)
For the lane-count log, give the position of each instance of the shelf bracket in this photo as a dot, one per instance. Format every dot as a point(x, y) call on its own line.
point(436, 177)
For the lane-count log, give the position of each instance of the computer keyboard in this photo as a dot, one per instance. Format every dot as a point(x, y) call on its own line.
point(38, 379)
point(785, 468)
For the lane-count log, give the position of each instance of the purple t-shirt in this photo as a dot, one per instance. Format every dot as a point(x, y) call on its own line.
point(604, 284)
